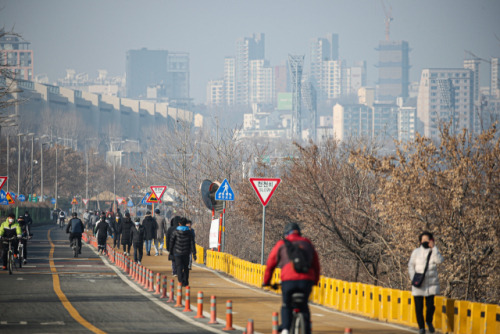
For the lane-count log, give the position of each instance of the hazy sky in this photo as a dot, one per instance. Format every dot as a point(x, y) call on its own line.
point(95, 34)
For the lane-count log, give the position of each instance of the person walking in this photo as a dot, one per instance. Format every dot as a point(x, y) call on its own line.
point(160, 232)
point(86, 218)
point(127, 225)
point(150, 227)
point(101, 231)
point(137, 237)
point(189, 224)
point(27, 218)
point(117, 228)
point(181, 245)
point(291, 280)
point(424, 260)
point(174, 222)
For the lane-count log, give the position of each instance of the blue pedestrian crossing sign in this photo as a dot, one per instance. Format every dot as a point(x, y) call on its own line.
point(3, 198)
point(130, 204)
point(224, 193)
point(21, 198)
point(145, 198)
point(53, 201)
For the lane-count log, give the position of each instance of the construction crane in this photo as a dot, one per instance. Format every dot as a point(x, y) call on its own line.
point(388, 19)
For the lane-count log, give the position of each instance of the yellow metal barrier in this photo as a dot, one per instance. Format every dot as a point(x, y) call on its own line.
point(386, 304)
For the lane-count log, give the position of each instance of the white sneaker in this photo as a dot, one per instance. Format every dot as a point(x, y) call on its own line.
point(285, 331)
point(139, 262)
point(156, 254)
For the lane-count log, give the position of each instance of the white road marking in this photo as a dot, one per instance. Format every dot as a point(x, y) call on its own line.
point(318, 314)
point(26, 266)
point(20, 279)
point(52, 323)
point(23, 322)
point(84, 265)
point(3, 322)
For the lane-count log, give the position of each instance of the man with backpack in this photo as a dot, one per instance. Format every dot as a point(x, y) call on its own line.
point(300, 269)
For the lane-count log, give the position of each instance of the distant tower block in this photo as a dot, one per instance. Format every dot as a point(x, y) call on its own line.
point(296, 64)
point(310, 100)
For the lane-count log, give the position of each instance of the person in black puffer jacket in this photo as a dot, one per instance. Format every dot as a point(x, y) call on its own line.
point(127, 225)
point(137, 236)
point(174, 222)
point(181, 245)
point(150, 227)
point(101, 231)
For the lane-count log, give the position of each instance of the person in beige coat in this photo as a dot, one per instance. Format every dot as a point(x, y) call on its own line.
point(430, 284)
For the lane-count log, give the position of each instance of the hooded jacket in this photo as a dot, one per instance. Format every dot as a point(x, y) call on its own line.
point(101, 230)
point(182, 242)
point(150, 227)
point(137, 234)
point(127, 225)
point(418, 259)
point(279, 258)
point(10, 230)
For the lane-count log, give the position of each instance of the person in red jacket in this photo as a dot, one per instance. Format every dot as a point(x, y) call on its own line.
point(292, 281)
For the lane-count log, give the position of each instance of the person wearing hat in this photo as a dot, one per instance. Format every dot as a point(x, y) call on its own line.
point(181, 245)
point(160, 232)
point(25, 230)
point(127, 226)
point(75, 229)
point(9, 228)
point(27, 218)
point(137, 237)
point(101, 231)
point(291, 280)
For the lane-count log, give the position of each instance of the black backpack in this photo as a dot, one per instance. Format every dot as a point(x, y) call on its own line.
point(299, 257)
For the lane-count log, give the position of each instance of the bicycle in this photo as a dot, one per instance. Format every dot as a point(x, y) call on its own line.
point(74, 246)
point(20, 251)
point(299, 299)
point(10, 254)
point(61, 223)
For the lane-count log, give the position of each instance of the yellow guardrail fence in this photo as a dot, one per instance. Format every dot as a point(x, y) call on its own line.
point(391, 305)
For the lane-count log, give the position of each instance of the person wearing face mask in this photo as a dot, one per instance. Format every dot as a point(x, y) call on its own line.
point(101, 231)
point(425, 256)
point(9, 228)
point(137, 236)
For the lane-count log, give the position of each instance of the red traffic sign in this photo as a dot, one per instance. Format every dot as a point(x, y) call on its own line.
point(74, 201)
point(152, 198)
point(120, 200)
point(158, 191)
point(9, 198)
point(2, 181)
point(85, 200)
point(264, 187)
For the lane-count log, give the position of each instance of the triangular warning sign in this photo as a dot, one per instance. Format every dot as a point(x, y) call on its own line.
point(2, 181)
point(264, 187)
point(158, 191)
point(74, 201)
point(85, 200)
point(9, 198)
point(152, 198)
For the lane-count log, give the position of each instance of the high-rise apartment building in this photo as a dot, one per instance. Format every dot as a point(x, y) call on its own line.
point(352, 120)
point(385, 121)
point(322, 49)
point(354, 78)
point(230, 81)
point(157, 68)
point(330, 83)
point(473, 65)
point(261, 82)
point(215, 92)
point(495, 78)
point(281, 84)
point(247, 49)
point(16, 56)
point(445, 95)
point(407, 123)
point(393, 71)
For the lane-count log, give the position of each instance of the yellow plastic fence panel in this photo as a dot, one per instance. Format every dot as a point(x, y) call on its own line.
point(355, 297)
point(377, 302)
point(491, 321)
point(199, 254)
point(438, 313)
point(448, 317)
point(316, 292)
point(394, 305)
point(460, 311)
point(336, 294)
point(342, 295)
point(384, 299)
point(406, 308)
point(474, 318)
point(363, 301)
point(329, 292)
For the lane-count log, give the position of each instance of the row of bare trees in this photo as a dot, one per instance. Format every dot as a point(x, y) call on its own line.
point(363, 210)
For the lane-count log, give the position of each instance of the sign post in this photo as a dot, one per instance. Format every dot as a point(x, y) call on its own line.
point(224, 193)
point(158, 192)
point(264, 187)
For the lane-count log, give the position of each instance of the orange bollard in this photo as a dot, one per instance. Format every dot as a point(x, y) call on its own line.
point(348, 331)
point(179, 295)
point(250, 326)
point(275, 323)
point(143, 274)
point(171, 297)
point(145, 277)
point(151, 278)
point(157, 286)
point(213, 310)
point(164, 287)
point(187, 300)
point(199, 314)
point(229, 316)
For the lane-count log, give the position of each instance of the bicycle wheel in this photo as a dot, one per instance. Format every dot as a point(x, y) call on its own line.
point(298, 324)
point(10, 262)
point(20, 257)
point(75, 249)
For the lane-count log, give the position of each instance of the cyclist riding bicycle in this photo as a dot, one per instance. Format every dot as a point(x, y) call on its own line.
point(75, 229)
point(9, 228)
point(25, 229)
point(291, 280)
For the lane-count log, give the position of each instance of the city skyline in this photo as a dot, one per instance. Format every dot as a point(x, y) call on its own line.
point(66, 35)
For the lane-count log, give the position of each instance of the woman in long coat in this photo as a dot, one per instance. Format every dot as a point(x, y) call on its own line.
point(127, 224)
point(101, 231)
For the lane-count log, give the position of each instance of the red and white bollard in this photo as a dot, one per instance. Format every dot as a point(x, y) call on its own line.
point(164, 287)
point(157, 286)
point(199, 306)
point(229, 316)
point(179, 295)
point(213, 310)
point(250, 326)
point(275, 323)
point(187, 300)
point(348, 331)
point(171, 296)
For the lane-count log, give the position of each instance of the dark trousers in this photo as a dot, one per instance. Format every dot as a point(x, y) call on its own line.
point(126, 248)
point(5, 248)
point(138, 251)
point(116, 240)
point(288, 288)
point(78, 237)
point(182, 264)
point(419, 310)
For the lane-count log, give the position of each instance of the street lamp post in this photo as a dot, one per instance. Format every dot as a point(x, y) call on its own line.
point(55, 205)
point(19, 135)
point(32, 147)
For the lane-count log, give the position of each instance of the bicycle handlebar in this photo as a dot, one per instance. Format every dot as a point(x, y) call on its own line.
point(274, 286)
